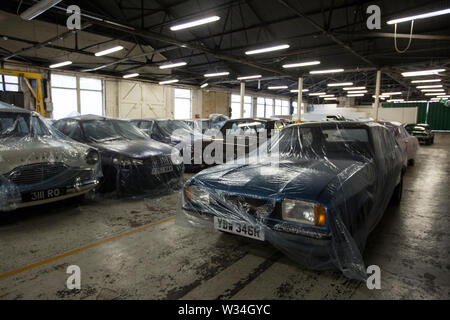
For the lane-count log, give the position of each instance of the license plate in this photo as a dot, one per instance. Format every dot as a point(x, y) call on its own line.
point(43, 195)
point(239, 228)
point(162, 170)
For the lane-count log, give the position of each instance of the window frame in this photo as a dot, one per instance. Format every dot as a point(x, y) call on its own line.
point(79, 90)
point(175, 98)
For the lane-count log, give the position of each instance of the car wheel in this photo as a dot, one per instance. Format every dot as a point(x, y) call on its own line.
point(398, 192)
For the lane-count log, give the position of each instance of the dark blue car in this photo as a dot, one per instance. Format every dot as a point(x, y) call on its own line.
point(132, 164)
point(316, 197)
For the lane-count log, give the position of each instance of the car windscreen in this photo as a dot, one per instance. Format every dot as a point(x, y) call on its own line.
point(14, 124)
point(247, 127)
point(19, 124)
point(107, 130)
point(320, 142)
point(170, 126)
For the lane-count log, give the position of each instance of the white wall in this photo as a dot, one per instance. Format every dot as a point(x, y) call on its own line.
point(129, 99)
point(403, 115)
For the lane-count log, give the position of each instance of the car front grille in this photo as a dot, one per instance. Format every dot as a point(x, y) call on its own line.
point(252, 206)
point(159, 161)
point(35, 173)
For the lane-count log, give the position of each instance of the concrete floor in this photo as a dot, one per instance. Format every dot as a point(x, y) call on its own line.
point(134, 250)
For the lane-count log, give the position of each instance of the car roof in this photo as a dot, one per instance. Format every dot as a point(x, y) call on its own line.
point(252, 119)
point(6, 107)
point(341, 124)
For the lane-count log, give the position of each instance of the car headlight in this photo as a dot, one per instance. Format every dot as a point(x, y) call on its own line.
point(196, 194)
point(304, 212)
point(126, 162)
point(92, 156)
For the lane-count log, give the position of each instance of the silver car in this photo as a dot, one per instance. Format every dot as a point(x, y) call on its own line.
point(38, 164)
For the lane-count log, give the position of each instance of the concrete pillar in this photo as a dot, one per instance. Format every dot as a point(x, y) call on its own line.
point(377, 93)
point(242, 98)
point(299, 99)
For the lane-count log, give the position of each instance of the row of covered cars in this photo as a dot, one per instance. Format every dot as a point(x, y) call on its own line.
point(313, 190)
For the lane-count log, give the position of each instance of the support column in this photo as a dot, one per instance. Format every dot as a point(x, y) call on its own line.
point(242, 98)
point(299, 99)
point(377, 94)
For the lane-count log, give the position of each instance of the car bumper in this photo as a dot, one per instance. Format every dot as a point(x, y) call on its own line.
point(314, 248)
point(71, 183)
point(140, 180)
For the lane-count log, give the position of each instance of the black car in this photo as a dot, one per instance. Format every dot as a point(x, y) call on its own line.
point(200, 125)
point(131, 162)
point(316, 197)
point(178, 134)
point(421, 131)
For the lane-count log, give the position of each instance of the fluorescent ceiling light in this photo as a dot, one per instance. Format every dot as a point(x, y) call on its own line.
point(429, 87)
point(354, 88)
point(391, 93)
point(381, 97)
point(326, 71)
point(326, 96)
point(204, 85)
point(359, 91)
point(169, 81)
point(250, 77)
point(317, 94)
point(268, 49)
point(433, 94)
point(301, 64)
point(61, 64)
point(432, 90)
point(420, 16)
point(296, 91)
point(334, 98)
point(38, 9)
point(422, 73)
point(444, 96)
point(277, 87)
point(356, 95)
point(426, 80)
point(194, 23)
point(340, 84)
point(108, 51)
point(173, 65)
point(131, 75)
point(217, 74)
point(396, 100)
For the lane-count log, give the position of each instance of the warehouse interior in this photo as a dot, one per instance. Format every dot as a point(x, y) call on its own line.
point(305, 63)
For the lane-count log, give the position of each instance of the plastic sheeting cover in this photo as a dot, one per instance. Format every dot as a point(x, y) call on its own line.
point(133, 164)
point(38, 164)
point(316, 196)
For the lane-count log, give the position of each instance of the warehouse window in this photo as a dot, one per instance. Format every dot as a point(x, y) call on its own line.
point(67, 89)
point(64, 96)
point(91, 96)
point(9, 83)
point(236, 106)
point(260, 107)
point(269, 107)
point(285, 109)
point(183, 105)
point(277, 107)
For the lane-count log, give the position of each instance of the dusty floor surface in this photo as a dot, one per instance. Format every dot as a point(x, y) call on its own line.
point(132, 249)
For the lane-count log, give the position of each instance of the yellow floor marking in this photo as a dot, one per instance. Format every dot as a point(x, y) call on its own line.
point(72, 252)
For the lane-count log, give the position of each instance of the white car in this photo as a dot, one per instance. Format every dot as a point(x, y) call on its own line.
point(38, 164)
point(408, 143)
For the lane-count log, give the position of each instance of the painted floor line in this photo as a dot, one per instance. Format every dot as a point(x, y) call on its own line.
point(92, 245)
